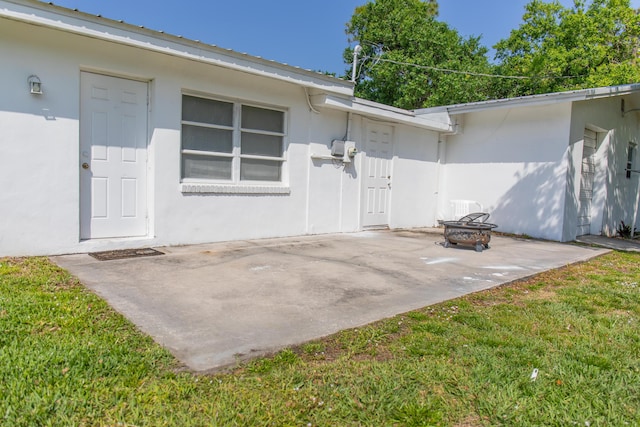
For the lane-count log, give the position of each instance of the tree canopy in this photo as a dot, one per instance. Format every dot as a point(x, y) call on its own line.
point(412, 60)
point(587, 45)
point(404, 47)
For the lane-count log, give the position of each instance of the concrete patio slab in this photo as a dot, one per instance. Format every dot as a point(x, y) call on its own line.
point(625, 245)
point(214, 304)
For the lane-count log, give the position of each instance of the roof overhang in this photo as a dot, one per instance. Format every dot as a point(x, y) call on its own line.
point(535, 100)
point(41, 14)
point(435, 122)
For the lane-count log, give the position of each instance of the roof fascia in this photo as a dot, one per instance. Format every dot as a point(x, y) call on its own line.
point(381, 112)
point(37, 13)
point(535, 100)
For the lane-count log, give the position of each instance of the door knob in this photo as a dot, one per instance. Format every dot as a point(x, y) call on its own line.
point(85, 165)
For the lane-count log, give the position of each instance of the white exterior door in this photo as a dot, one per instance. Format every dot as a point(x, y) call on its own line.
point(377, 175)
point(113, 157)
point(586, 182)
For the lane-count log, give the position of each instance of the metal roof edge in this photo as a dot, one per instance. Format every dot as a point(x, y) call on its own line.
point(373, 104)
point(121, 32)
point(380, 112)
point(531, 100)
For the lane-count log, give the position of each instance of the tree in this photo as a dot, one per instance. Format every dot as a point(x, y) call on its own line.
point(404, 52)
point(570, 48)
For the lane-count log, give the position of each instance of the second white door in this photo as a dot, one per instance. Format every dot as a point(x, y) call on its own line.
point(377, 175)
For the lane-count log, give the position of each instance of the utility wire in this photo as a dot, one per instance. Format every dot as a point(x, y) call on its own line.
point(471, 73)
point(378, 57)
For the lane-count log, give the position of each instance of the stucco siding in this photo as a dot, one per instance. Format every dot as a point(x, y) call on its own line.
point(40, 152)
point(333, 186)
point(40, 145)
point(414, 178)
point(615, 197)
point(513, 161)
point(519, 158)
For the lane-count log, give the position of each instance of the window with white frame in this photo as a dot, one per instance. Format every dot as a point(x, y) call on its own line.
point(224, 141)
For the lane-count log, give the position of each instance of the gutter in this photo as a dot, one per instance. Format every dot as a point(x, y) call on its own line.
point(535, 100)
point(83, 24)
point(437, 123)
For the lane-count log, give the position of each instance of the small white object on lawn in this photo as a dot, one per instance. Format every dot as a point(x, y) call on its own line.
point(534, 374)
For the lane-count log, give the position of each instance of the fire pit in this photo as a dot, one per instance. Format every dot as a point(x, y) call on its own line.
point(469, 230)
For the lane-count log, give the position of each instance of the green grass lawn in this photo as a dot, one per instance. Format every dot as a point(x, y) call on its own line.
point(66, 358)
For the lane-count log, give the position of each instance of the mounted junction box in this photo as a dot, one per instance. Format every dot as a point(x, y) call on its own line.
point(341, 151)
point(337, 148)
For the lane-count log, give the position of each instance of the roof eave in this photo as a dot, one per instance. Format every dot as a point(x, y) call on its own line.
point(97, 27)
point(381, 112)
point(535, 100)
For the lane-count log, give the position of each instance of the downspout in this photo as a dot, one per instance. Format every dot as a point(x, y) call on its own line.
point(308, 199)
point(308, 98)
point(347, 137)
point(441, 212)
point(442, 159)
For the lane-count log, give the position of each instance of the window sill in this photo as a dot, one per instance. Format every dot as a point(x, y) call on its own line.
point(201, 188)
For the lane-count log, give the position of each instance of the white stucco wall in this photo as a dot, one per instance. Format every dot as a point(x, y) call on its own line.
point(38, 144)
point(415, 178)
point(514, 162)
point(39, 152)
point(333, 202)
point(182, 218)
point(615, 196)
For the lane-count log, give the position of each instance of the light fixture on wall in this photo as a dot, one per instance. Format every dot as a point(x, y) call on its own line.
point(35, 85)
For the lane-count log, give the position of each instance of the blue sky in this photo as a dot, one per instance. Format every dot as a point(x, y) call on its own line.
point(305, 33)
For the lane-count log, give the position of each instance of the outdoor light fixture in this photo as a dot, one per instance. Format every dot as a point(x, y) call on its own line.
point(35, 85)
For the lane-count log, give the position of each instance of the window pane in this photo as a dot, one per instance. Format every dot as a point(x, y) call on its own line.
point(206, 139)
point(260, 170)
point(207, 111)
point(262, 119)
point(206, 167)
point(261, 145)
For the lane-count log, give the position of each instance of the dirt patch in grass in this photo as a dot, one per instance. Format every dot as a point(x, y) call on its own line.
point(333, 350)
point(473, 420)
point(541, 294)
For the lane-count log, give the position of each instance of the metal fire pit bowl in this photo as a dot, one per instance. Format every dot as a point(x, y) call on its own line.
point(469, 230)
